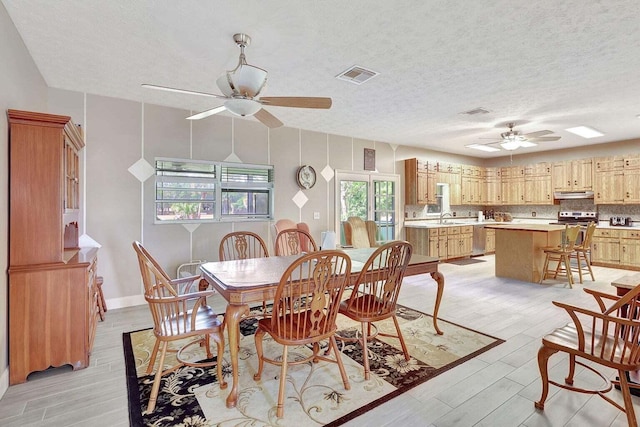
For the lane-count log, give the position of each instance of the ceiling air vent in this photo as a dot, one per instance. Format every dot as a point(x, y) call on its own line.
point(475, 111)
point(357, 75)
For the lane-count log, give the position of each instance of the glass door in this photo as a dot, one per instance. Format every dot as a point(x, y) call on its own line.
point(370, 197)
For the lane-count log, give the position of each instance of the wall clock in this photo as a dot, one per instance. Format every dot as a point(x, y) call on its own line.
point(306, 177)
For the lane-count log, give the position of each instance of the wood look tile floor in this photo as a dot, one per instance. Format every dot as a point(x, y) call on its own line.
point(497, 388)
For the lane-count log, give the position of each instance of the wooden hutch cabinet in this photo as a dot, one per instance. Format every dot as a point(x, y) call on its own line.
point(52, 282)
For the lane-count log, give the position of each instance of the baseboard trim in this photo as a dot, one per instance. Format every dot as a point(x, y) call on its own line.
point(123, 302)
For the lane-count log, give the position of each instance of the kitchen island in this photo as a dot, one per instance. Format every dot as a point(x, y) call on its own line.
point(519, 253)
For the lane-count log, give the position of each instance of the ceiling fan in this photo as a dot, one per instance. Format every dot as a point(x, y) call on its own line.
point(514, 139)
point(241, 88)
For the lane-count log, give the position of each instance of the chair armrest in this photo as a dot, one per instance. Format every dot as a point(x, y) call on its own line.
point(189, 281)
point(600, 297)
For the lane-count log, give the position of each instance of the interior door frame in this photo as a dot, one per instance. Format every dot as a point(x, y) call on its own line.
point(345, 175)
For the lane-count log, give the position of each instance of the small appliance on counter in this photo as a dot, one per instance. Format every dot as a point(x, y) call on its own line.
point(621, 221)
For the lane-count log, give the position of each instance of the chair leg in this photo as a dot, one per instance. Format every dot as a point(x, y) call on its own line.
point(588, 262)
point(626, 396)
point(258, 340)
point(152, 359)
point(567, 266)
point(219, 340)
point(343, 372)
point(156, 381)
point(407, 357)
point(572, 369)
point(543, 358)
point(579, 262)
point(283, 383)
point(544, 269)
point(365, 355)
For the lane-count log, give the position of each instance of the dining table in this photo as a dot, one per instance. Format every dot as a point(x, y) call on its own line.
point(255, 280)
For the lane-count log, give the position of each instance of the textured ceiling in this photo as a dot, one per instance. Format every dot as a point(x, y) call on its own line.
point(546, 64)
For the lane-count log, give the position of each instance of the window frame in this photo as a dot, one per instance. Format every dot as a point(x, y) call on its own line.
point(220, 186)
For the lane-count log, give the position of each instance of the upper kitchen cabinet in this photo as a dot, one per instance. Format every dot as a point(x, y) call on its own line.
point(537, 184)
point(472, 185)
point(512, 185)
point(448, 173)
point(493, 191)
point(420, 182)
point(573, 175)
point(608, 180)
point(632, 179)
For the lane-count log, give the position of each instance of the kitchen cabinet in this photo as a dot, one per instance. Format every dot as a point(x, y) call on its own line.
point(630, 249)
point(451, 174)
point(605, 247)
point(420, 182)
point(459, 241)
point(573, 175)
point(52, 282)
point(490, 241)
point(493, 191)
point(538, 184)
point(419, 238)
point(472, 185)
point(632, 179)
point(438, 243)
point(608, 180)
point(512, 185)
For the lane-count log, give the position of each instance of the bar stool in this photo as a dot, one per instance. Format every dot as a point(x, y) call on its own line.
point(582, 253)
point(560, 255)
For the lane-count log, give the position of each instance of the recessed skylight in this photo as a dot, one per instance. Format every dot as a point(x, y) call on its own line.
point(483, 147)
point(585, 132)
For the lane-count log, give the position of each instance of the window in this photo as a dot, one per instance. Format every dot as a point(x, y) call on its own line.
point(204, 191)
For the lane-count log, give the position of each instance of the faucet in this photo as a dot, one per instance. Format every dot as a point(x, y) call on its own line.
point(443, 214)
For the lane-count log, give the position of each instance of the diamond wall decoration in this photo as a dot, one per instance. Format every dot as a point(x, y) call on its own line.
point(233, 158)
point(300, 199)
point(142, 170)
point(327, 173)
point(191, 227)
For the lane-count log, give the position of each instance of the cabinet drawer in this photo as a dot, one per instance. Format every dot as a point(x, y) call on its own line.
point(467, 229)
point(628, 234)
point(606, 232)
point(442, 231)
point(453, 230)
point(434, 232)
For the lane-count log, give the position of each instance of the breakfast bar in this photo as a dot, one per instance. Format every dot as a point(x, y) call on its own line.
point(519, 253)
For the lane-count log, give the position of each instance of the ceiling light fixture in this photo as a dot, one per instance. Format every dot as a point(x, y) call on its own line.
point(483, 147)
point(585, 132)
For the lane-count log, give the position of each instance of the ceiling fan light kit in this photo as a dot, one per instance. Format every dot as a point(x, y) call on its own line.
point(241, 87)
point(513, 139)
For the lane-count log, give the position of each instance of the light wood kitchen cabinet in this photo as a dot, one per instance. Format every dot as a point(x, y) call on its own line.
point(493, 191)
point(420, 182)
point(573, 175)
point(472, 185)
point(438, 243)
point(537, 184)
point(630, 249)
point(632, 179)
point(490, 241)
point(419, 238)
point(52, 283)
point(605, 247)
point(451, 174)
point(608, 180)
point(459, 241)
point(512, 185)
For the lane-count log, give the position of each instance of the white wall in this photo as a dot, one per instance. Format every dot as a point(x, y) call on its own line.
point(21, 88)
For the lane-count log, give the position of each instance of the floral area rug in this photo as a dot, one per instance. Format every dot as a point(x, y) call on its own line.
point(315, 394)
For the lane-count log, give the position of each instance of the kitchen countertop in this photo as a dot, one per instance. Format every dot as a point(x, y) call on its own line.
point(519, 222)
point(526, 227)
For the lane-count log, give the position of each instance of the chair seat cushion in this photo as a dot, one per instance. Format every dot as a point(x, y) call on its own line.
point(291, 328)
point(366, 308)
point(566, 337)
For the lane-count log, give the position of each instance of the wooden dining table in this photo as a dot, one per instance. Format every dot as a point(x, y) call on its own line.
point(242, 282)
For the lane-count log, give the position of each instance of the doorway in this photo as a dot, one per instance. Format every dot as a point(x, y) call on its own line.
point(370, 196)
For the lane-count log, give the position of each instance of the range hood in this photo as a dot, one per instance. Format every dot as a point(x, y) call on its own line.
point(564, 195)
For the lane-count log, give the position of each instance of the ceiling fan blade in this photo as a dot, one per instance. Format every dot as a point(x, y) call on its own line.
point(207, 113)
point(297, 101)
point(544, 138)
point(268, 119)
point(537, 134)
point(188, 92)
